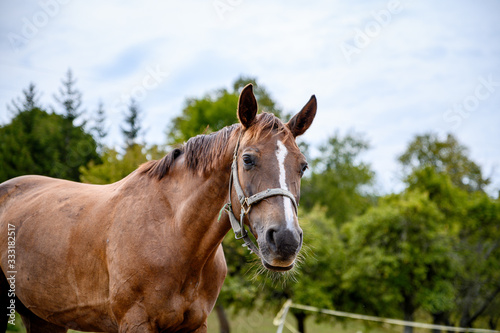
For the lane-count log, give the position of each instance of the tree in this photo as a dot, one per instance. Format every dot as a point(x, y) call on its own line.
point(401, 258)
point(31, 101)
point(473, 219)
point(478, 282)
point(99, 129)
point(100, 122)
point(70, 98)
point(70, 103)
point(339, 181)
point(33, 143)
point(215, 110)
point(447, 156)
point(115, 167)
point(132, 127)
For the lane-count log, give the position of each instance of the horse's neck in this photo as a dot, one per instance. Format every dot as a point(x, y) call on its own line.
point(196, 201)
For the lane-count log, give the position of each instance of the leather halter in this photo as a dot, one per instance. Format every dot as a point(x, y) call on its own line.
point(247, 202)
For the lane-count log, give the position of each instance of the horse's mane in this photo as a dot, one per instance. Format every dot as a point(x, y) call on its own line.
point(204, 152)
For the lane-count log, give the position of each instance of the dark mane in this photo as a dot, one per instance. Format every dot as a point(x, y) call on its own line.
point(204, 152)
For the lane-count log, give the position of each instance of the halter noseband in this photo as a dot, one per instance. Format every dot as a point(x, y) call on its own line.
point(247, 202)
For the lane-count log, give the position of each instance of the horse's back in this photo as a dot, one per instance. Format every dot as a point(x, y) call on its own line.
point(18, 187)
point(15, 186)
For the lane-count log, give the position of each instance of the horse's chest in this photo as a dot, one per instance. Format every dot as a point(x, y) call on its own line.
point(186, 309)
point(195, 298)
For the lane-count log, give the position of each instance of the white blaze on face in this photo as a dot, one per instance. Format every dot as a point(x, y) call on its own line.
point(287, 203)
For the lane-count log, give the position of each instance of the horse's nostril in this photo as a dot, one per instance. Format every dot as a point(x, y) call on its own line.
point(283, 242)
point(271, 239)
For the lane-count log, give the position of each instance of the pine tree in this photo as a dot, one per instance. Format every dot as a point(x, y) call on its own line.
point(99, 129)
point(70, 98)
point(70, 102)
point(132, 122)
point(30, 101)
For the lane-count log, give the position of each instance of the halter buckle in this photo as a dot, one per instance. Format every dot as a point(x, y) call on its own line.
point(245, 210)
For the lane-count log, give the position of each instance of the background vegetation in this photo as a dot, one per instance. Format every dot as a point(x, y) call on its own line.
point(430, 252)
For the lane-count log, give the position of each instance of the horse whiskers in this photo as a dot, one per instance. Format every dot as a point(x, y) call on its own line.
point(256, 270)
point(307, 252)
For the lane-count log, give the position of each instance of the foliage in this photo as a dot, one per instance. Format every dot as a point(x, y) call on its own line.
point(70, 98)
point(445, 156)
point(99, 128)
point(115, 167)
point(34, 143)
point(400, 257)
point(478, 282)
point(320, 271)
point(338, 180)
point(473, 219)
point(132, 122)
point(30, 101)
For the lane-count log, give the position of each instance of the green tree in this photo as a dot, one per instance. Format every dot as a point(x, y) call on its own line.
point(70, 98)
point(400, 258)
point(215, 110)
point(99, 128)
point(447, 156)
point(339, 180)
point(478, 282)
point(115, 167)
point(33, 143)
point(132, 127)
point(473, 220)
point(30, 101)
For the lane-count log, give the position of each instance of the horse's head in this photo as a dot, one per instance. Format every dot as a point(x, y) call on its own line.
point(268, 167)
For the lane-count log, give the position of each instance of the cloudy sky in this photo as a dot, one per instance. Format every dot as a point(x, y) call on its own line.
point(387, 69)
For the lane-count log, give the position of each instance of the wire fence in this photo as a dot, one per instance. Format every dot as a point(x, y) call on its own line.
point(280, 320)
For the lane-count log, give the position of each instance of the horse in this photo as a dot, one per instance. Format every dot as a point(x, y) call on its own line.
point(144, 254)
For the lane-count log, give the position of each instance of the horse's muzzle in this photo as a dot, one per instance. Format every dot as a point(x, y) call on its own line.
point(280, 247)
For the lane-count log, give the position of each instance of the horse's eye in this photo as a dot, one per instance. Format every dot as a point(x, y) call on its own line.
point(304, 168)
point(248, 161)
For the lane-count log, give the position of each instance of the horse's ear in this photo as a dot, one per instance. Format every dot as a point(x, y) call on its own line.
point(302, 120)
point(247, 106)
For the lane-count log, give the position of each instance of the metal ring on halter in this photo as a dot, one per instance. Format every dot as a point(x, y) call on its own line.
point(247, 209)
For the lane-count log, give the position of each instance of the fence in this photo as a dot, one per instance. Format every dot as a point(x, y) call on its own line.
point(280, 319)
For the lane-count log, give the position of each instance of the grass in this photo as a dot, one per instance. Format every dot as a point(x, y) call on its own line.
point(263, 323)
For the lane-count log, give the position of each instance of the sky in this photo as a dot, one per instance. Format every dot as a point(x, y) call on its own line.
point(389, 70)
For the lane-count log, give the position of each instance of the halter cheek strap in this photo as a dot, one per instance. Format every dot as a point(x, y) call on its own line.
point(247, 202)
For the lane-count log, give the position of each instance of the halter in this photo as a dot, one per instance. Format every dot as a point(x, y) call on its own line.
point(247, 202)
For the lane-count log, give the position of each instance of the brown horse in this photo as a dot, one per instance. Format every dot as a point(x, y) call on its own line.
point(144, 254)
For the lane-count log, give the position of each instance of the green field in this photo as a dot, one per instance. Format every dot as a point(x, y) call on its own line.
point(263, 323)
